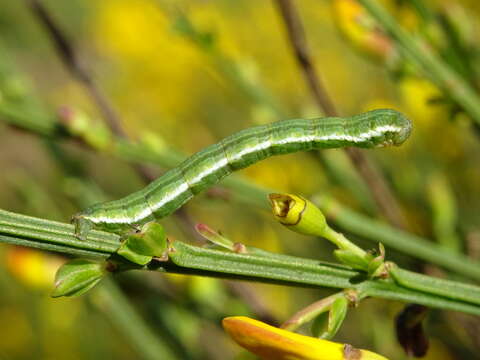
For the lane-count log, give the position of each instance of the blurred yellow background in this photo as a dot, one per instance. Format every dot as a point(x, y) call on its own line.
point(187, 74)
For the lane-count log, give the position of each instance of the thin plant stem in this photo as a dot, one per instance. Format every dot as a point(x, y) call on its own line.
point(51, 235)
point(406, 243)
point(298, 41)
point(276, 269)
point(257, 304)
point(342, 242)
point(67, 53)
point(111, 301)
point(310, 312)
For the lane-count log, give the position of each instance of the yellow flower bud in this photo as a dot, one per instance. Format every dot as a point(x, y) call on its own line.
point(298, 214)
point(271, 343)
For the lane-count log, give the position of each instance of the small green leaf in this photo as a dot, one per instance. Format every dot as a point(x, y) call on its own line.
point(126, 252)
point(77, 277)
point(140, 248)
point(327, 324)
point(376, 267)
point(214, 237)
point(351, 259)
point(337, 315)
point(320, 325)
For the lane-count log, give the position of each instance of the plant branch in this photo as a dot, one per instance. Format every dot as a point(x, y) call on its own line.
point(298, 41)
point(50, 235)
point(68, 55)
point(370, 173)
point(310, 312)
point(406, 243)
point(259, 266)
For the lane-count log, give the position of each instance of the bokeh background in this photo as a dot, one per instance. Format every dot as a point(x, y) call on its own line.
point(182, 75)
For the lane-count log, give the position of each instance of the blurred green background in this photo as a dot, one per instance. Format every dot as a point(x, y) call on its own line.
point(184, 74)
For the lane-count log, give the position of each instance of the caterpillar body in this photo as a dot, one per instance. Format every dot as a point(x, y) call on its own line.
point(205, 168)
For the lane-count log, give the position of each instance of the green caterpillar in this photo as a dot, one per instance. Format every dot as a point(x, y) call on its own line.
point(207, 167)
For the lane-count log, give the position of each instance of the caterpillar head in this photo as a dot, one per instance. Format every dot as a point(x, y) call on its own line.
point(393, 126)
point(405, 128)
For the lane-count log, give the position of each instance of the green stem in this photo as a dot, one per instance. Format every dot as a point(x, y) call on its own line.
point(35, 123)
point(274, 269)
point(422, 9)
point(342, 242)
point(392, 291)
point(310, 312)
point(189, 259)
point(423, 56)
point(404, 242)
point(51, 235)
point(279, 269)
point(439, 286)
point(110, 299)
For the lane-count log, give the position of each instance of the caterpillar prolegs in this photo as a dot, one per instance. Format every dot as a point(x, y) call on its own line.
point(207, 167)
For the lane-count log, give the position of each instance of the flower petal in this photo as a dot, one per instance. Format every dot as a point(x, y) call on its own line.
point(271, 343)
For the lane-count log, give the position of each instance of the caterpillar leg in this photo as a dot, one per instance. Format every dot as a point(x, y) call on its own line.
point(82, 227)
point(133, 227)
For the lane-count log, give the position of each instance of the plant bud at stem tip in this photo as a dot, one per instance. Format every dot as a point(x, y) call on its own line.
point(298, 214)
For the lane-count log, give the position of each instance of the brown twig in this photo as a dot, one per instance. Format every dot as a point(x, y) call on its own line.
point(66, 51)
point(372, 176)
point(298, 41)
point(68, 55)
point(314, 308)
point(250, 296)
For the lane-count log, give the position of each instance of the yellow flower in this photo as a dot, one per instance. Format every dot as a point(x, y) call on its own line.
point(271, 343)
